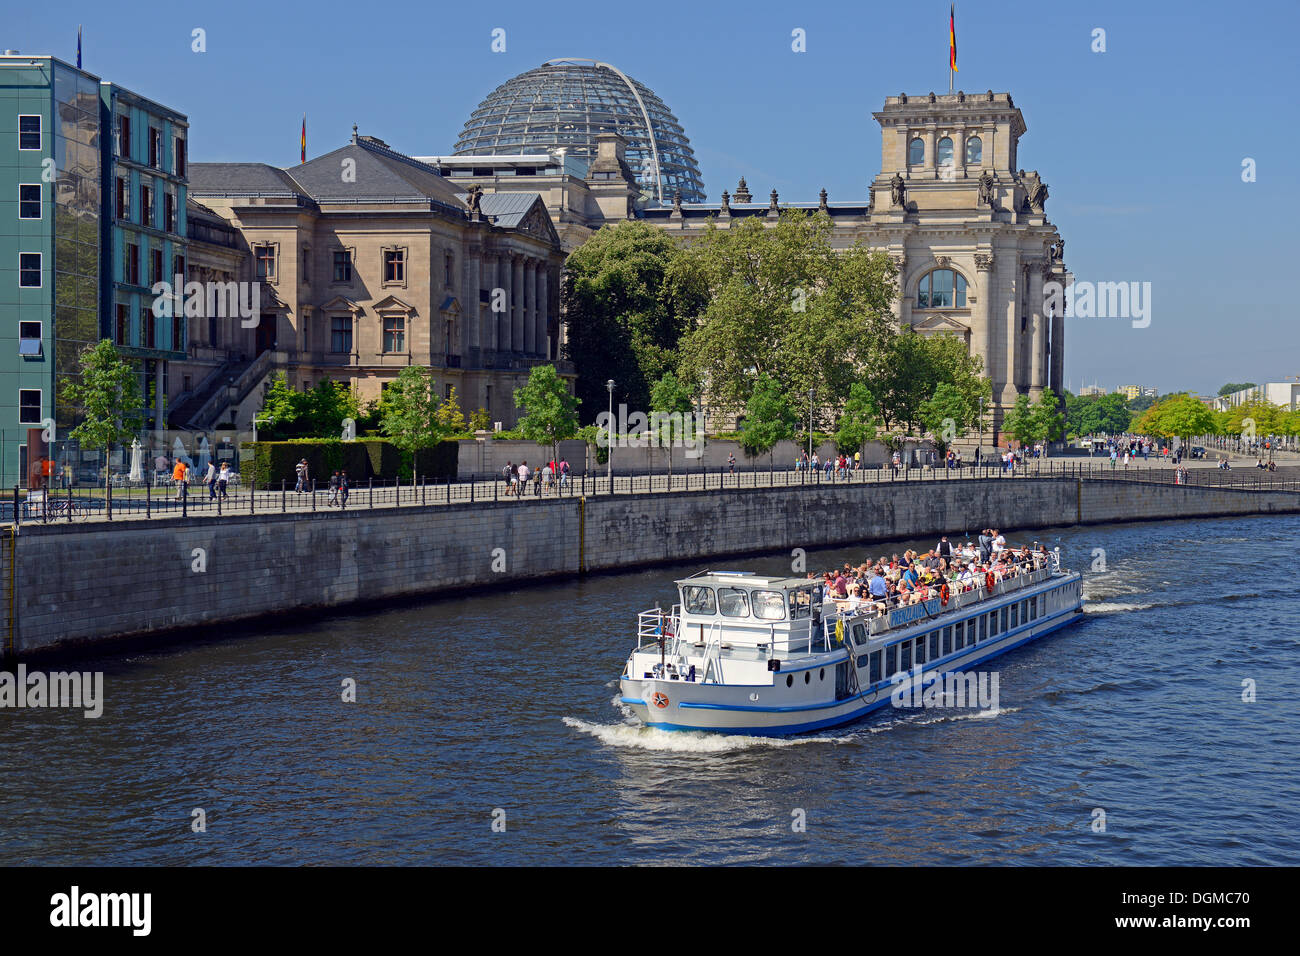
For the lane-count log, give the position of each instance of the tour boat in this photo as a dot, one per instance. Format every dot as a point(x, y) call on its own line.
point(744, 653)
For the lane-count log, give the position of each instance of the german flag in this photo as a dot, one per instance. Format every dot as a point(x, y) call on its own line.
point(952, 38)
point(304, 137)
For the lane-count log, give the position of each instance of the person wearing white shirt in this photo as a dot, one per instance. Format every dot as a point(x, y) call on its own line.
point(999, 543)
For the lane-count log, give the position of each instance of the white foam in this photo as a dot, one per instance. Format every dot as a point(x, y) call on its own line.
point(638, 736)
point(1113, 607)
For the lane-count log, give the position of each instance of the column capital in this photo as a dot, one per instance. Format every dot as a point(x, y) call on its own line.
point(984, 261)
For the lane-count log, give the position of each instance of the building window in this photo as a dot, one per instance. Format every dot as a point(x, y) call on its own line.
point(178, 153)
point(169, 212)
point(29, 406)
point(449, 261)
point(343, 266)
point(123, 198)
point(155, 147)
point(394, 333)
point(124, 136)
point(304, 265)
point(146, 204)
point(265, 261)
point(341, 333)
point(148, 328)
point(943, 154)
point(178, 269)
point(178, 332)
point(29, 338)
point(916, 152)
point(29, 201)
point(974, 151)
point(29, 131)
point(131, 267)
point(155, 266)
point(941, 289)
point(394, 265)
point(29, 270)
point(122, 324)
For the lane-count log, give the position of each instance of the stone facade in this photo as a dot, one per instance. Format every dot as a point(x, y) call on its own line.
point(369, 261)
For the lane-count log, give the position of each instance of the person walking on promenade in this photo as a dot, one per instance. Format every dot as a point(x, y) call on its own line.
point(223, 476)
point(564, 473)
point(178, 476)
point(523, 478)
point(545, 484)
point(508, 476)
point(731, 463)
point(344, 488)
point(334, 489)
point(300, 470)
point(210, 479)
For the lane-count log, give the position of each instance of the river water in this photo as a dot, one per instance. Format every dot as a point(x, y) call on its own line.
point(500, 708)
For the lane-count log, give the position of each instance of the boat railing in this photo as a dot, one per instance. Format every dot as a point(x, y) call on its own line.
point(654, 623)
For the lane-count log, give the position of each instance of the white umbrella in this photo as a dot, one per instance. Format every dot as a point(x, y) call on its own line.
point(204, 456)
point(179, 452)
point(137, 461)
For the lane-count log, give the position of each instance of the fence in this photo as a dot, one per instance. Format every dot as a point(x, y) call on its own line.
point(144, 501)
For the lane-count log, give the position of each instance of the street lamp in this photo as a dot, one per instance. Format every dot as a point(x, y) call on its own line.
point(609, 438)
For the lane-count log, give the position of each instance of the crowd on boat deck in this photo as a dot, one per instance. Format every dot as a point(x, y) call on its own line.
point(912, 578)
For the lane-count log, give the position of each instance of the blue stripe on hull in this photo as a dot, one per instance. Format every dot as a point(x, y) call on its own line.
point(1067, 618)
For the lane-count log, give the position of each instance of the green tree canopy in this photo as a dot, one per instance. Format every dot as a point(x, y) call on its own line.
point(316, 413)
point(670, 397)
point(859, 420)
point(1234, 387)
point(550, 412)
point(1177, 416)
point(769, 417)
point(107, 396)
point(779, 301)
point(625, 310)
point(1097, 414)
point(409, 411)
point(914, 366)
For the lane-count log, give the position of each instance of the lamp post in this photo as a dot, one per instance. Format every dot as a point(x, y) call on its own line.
point(609, 438)
point(810, 425)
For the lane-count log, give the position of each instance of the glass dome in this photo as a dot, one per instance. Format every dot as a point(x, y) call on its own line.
point(566, 103)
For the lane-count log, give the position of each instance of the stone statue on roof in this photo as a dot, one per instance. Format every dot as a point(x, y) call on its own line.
point(475, 198)
point(898, 190)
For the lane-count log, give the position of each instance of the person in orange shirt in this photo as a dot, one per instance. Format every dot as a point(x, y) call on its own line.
point(178, 476)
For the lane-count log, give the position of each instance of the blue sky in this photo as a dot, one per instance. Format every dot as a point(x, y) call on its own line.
point(1141, 145)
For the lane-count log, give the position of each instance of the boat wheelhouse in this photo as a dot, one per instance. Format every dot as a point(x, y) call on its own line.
point(754, 654)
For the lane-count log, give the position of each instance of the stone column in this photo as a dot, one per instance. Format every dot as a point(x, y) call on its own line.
point(931, 137)
point(522, 332)
point(489, 332)
point(1011, 286)
point(982, 334)
point(524, 307)
point(959, 153)
point(471, 313)
point(1038, 331)
point(1057, 370)
point(502, 319)
point(530, 306)
point(543, 311)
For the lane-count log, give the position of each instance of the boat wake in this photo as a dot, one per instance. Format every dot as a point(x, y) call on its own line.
point(640, 737)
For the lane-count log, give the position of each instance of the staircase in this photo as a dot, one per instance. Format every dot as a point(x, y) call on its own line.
point(247, 376)
point(184, 412)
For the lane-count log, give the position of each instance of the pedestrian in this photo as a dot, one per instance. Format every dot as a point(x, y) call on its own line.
point(334, 489)
point(545, 484)
point(210, 479)
point(508, 475)
point(300, 470)
point(223, 476)
point(523, 478)
point(344, 487)
point(564, 472)
point(731, 463)
point(178, 476)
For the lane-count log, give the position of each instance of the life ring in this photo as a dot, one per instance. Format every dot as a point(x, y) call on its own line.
point(944, 595)
point(989, 580)
point(660, 700)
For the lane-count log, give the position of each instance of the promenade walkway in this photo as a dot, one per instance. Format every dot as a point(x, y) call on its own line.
point(85, 505)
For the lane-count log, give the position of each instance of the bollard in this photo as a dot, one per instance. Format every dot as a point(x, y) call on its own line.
point(108, 497)
point(284, 503)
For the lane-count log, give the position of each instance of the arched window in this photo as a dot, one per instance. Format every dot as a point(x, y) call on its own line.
point(943, 155)
point(941, 289)
point(916, 153)
point(974, 151)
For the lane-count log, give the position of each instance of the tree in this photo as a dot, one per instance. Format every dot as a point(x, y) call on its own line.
point(1235, 387)
point(913, 368)
point(625, 311)
point(108, 397)
point(769, 417)
point(1051, 421)
point(859, 420)
point(1021, 423)
point(780, 301)
point(318, 413)
point(449, 415)
point(671, 401)
point(1177, 416)
point(551, 413)
point(410, 412)
point(947, 414)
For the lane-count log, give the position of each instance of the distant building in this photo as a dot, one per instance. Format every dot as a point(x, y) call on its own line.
point(1283, 394)
point(1130, 392)
point(1092, 390)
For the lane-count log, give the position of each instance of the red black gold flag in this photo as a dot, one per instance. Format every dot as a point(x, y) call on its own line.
point(304, 137)
point(952, 38)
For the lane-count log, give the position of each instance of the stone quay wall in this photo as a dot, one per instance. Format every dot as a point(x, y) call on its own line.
point(83, 584)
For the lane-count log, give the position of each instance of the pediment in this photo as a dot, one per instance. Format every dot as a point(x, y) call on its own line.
point(941, 323)
point(340, 304)
point(392, 303)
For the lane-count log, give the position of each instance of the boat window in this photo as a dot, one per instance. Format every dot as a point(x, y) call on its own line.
point(905, 653)
point(860, 634)
point(947, 639)
point(733, 602)
point(876, 661)
point(934, 642)
point(769, 605)
point(1005, 613)
point(699, 600)
point(1015, 609)
point(984, 626)
point(800, 604)
point(920, 649)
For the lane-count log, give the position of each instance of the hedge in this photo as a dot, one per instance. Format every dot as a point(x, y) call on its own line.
point(274, 461)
